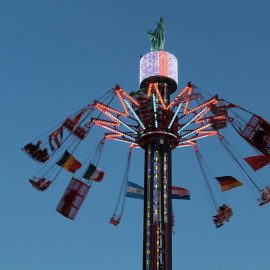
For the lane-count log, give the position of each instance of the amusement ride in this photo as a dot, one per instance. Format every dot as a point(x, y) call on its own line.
point(150, 119)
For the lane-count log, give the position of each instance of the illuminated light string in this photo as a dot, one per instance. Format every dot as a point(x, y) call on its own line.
point(129, 97)
point(187, 101)
point(211, 101)
point(119, 121)
point(198, 119)
point(186, 144)
point(196, 130)
point(122, 102)
point(207, 132)
point(115, 131)
point(178, 109)
point(104, 122)
point(155, 110)
point(160, 97)
point(135, 115)
point(111, 137)
point(178, 97)
point(193, 119)
point(104, 108)
point(198, 137)
point(149, 90)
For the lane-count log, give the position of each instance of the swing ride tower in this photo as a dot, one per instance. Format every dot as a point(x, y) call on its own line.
point(158, 78)
point(150, 120)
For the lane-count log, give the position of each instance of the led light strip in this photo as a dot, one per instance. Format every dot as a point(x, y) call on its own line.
point(186, 144)
point(193, 119)
point(129, 97)
point(178, 97)
point(111, 137)
point(196, 130)
point(155, 110)
point(115, 131)
point(160, 97)
point(178, 109)
point(122, 101)
point(149, 90)
point(104, 108)
point(119, 121)
point(197, 138)
point(135, 115)
point(104, 122)
point(211, 101)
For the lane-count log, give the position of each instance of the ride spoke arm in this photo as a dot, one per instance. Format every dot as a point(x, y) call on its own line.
point(208, 134)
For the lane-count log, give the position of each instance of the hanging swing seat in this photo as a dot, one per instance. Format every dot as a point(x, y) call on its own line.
point(218, 123)
point(219, 110)
point(40, 184)
point(69, 124)
point(257, 133)
point(80, 132)
point(36, 153)
point(77, 130)
point(224, 214)
point(265, 196)
point(115, 220)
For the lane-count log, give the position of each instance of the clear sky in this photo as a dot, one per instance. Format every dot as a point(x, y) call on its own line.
point(57, 56)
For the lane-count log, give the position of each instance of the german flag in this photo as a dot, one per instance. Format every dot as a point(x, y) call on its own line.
point(69, 163)
point(228, 182)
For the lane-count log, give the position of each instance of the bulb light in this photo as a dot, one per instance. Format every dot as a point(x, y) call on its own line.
point(198, 137)
point(155, 110)
point(206, 103)
point(178, 109)
point(105, 122)
point(196, 131)
point(102, 107)
point(160, 97)
point(135, 114)
point(198, 119)
point(122, 101)
point(192, 119)
point(178, 97)
point(116, 131)
point(119, 121)
point(149, 91)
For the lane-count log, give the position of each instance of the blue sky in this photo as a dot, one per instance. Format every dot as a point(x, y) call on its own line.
point(57, 56)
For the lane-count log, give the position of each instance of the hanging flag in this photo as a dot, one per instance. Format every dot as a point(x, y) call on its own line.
point(93, 173)
point(257, 162)
point(134, 191)
point(98, 175)
point(228, 182)
point(69, 163)
point(56, 139)
point(180, 193)
point(137, 192)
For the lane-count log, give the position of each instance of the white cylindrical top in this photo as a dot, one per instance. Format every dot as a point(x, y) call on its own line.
point(159, 63)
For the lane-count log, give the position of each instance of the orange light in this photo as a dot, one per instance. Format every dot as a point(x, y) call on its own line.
point(213, 100)
point(159, 96)
point(177, 98)
point(198, 119)
point(149, 91)
point(104, 108)
point(122, 102)
point(105, 122)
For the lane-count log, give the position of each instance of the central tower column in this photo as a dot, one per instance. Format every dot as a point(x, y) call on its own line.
point(157, 205)
point(158, 72)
